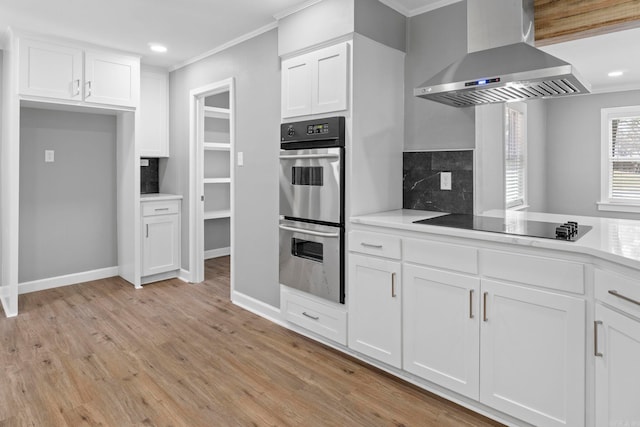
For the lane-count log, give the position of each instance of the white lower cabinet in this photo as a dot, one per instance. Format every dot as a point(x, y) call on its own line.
point(532, 354)
point(441, 320)
point(375, 309)
point(160, 237)
point(617, 365)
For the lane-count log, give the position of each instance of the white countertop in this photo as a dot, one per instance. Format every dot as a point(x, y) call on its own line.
point(616, 240)
point(156, 197)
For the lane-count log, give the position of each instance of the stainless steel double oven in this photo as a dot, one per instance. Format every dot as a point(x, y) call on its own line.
point(312, 207)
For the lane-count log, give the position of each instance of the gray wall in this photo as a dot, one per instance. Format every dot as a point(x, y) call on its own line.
point(379, 22)
point(256, 68)
point(67, 208)
point(573, 152)
point(434, 40)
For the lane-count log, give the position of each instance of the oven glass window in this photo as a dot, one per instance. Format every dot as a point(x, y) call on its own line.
point(306, 175)
point(306, 249)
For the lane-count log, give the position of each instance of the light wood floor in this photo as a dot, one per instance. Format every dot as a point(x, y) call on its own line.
point(173, 354)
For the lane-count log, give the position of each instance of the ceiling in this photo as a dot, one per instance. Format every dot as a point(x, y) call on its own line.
point(192, 28)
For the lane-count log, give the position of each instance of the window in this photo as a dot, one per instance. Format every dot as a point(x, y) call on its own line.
point(515, 155)
point(620, 170)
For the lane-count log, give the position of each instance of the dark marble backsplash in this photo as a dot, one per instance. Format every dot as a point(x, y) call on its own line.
point(421, 181)
point(150, 177)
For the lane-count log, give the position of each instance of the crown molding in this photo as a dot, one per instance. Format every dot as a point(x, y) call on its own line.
point(295, 9)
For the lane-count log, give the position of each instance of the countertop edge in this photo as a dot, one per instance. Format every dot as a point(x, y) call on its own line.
point(157, 197)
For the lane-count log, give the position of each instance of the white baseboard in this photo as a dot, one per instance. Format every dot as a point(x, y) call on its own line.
point(215, 253)
point(158, 277)
point(185, 275)
point(260, 308)
point(68, 279)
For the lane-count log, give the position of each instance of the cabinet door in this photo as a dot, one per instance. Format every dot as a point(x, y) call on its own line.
point(532, 363)
point(441, 336)
point(375, 308)
point(617, 369)
point(50, 70)
point(296, 86)
point(160, 244)
point(111, 79)
point(329, 79)
point(154, 114)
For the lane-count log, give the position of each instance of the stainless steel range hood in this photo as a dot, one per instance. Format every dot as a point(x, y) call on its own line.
point(507, 69)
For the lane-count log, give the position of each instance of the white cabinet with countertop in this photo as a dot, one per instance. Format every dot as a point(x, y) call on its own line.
point(60, 71)
point(617, 349)
point(160, 236)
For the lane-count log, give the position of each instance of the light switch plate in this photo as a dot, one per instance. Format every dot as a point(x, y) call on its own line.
point(144, 162)
point(445, 180)
point(240, 158)
point(49, 156)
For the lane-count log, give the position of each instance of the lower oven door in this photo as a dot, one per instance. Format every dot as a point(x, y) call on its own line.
point(311, 259)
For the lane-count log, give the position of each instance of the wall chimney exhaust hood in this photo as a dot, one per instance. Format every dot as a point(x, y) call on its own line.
point(502, 65)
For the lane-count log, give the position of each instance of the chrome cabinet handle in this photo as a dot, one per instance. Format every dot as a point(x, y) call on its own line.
point(371, 245)
point(88, 89)
point(147, 230)
point(309, 156)
point(76, 92)
point(471, 304)
point(393, 285)
point(595, 338)
point(631, 300)
point(484, 303)
point(304, 313)
point(309, 232)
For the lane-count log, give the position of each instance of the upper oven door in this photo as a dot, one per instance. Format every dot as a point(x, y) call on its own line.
point(311, 184)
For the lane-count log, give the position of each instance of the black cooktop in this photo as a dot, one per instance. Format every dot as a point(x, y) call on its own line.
point(570, 230)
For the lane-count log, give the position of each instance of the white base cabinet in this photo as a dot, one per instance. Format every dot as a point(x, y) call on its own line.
point(532, 363)
point(160, 237)
point(375, 323)
point(617, 360)
point(440, 328)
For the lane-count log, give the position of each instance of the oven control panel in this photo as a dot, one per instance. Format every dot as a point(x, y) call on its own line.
point(329, 130)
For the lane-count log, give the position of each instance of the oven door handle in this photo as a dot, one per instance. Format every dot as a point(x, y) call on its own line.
point(309, 156)
point(309, 232)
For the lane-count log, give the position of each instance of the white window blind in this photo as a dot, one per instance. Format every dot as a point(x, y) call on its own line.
point(515, 164)
point(624, 159)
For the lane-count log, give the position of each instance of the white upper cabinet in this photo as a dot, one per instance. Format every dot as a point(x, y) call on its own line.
point(154, 114)
point(315, 82)
point(71, 74)
point(111, 79)
point(50, 70)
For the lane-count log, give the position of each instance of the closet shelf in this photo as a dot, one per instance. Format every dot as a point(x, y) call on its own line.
point(219, 146)
point(217, 180)
point(216, 112)
point(217, 214)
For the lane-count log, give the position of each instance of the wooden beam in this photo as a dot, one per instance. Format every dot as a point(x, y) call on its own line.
point(562, 20)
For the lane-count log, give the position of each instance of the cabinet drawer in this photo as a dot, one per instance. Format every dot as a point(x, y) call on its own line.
point(533, 270)
point(323, 319)
point(160, 208)
point(617, 291)
point(441, 255)
point(383, 245)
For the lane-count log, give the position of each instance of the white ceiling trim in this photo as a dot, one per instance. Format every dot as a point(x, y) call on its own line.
point(400, 8)
point(432, 6)
point(295, 9)
point(225, 46)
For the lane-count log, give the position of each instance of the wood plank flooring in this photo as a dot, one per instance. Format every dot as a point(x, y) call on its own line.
point(174, 354)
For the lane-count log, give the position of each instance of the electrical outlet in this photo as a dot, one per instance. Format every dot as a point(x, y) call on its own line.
point(49, 156)
point(144, 162)
point(445, 180)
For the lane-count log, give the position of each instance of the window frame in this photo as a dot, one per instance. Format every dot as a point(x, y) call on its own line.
point(608, 203)
point(520, 107)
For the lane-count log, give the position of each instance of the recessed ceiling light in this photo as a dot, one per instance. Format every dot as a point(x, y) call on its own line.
point(615, 73)
point(157, 47)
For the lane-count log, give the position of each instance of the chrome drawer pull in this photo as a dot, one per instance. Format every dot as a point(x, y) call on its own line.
point(595, 338)
point(310, 316)
point(631, 300)
point(162, 209)
point(371, 245)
